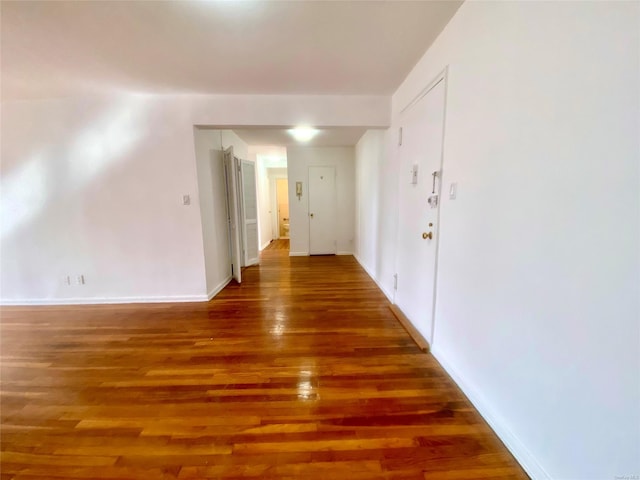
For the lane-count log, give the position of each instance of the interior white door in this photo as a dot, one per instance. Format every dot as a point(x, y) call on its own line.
point(421, 149)
point(322, 211)
point(231, 181)
point(249, 213)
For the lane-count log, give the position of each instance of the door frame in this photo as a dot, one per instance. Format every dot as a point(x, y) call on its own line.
point(335, 188)
point(442, 76)
point(233, 206)
point(277, 206)
point(273, 201)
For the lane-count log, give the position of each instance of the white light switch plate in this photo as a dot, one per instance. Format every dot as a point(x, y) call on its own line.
point(453, 191)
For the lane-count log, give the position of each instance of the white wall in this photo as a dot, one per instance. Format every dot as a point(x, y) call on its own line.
point(376, 207)
point(94, 186)
point(298, 161)
point(537, 308)
point(209, 146)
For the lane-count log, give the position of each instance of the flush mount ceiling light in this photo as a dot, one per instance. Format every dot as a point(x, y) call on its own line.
point(303, 134)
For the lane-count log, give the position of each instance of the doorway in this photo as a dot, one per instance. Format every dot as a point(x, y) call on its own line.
point(242, 212)
point(282, 202)
point(419, 206)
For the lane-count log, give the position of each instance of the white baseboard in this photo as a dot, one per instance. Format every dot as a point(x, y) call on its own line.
point(218, 288)
point(265, 245)
point(495, 421)
point(387, 294)
point(102, 300)
point(344, 253)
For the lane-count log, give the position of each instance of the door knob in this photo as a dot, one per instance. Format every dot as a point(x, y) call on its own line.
point(426, 235)
point(311, 215)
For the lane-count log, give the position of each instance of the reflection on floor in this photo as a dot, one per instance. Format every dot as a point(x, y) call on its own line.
point(280, 244)
point(300, 372)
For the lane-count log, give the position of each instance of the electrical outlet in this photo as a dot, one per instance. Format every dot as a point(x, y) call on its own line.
point(80, 279)
point(66, 280)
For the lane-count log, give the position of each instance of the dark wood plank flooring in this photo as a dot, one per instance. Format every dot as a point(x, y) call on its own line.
point(301, 372)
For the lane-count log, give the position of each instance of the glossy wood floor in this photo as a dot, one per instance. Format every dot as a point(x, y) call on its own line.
point(301, 373)
point(279, 244)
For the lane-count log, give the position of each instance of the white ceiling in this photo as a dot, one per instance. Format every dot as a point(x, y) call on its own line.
point(66, 48)
point(326, 137)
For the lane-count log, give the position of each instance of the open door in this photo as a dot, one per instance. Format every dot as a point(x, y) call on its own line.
point(233, 210)
point(249, 213)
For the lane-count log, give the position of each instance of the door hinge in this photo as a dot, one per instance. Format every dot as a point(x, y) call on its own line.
point(400, 136)
point(395, 281)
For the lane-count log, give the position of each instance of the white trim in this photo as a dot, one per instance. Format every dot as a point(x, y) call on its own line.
point(273, 202)
point(335, 192)
point(382, 289)
point(103, 300)
point(344, 252)
point(430, 86)
point(218, 288)
point(441, 77)
point(524, 457)
point(298, 254)
point(436, 263)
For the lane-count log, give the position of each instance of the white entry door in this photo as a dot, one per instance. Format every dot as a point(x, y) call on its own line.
point(249, 213)
point(419, 204)
point(322, 211)
point(233, 210)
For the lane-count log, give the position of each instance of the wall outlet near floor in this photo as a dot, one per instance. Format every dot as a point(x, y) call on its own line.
point(80, 279)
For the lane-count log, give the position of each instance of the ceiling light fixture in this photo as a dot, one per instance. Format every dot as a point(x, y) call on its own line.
point(303, 134)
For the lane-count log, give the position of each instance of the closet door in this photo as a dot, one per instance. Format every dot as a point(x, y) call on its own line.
point(249, 213)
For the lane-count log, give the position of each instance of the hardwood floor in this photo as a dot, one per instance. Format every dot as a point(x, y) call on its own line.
point(302, 372)
point(279, 244)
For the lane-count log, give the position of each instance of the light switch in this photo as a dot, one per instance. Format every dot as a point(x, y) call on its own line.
point(414, 174)
point(186, 199)
point(453, 191)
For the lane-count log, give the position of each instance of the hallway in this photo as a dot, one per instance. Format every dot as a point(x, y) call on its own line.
point(300, 372)
point(278, 244)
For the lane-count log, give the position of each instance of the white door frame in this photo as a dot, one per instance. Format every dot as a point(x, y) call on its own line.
point(233, 204)
point(443, 76)
point(335, 200)
point(273, 200)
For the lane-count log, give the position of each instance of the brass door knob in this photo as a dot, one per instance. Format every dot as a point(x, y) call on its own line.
point(426, 235)
point(311, 215)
